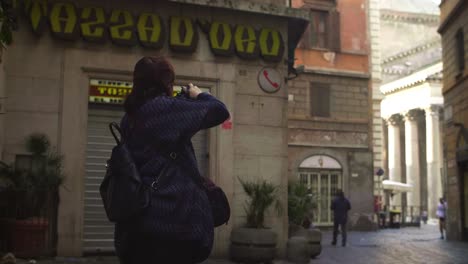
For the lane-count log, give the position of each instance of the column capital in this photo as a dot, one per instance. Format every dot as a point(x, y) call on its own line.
point(410, 115)
point(394, 120)
point(433, 110)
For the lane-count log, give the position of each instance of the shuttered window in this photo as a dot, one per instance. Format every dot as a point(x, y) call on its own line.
point(320, 100)
point(323, 31)
point(98, 232)
point(460, 49)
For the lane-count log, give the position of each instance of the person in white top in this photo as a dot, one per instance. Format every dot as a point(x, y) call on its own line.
point(441, 213)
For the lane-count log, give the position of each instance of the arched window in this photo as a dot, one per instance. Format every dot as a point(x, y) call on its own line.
point(323, 177)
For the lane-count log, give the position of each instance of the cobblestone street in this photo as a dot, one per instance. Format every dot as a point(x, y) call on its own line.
point(406, 245)
point(390, 246)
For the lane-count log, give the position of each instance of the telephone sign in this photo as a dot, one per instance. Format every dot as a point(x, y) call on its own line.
point(269, 80)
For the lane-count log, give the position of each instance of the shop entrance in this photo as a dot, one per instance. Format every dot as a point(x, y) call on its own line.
point(98, 232)
point(323, 177)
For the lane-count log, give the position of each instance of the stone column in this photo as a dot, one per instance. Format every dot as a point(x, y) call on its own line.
point(434, 178)
point(412, 163)
point(394, 155)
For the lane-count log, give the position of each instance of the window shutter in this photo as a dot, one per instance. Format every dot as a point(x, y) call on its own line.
point(320, 100)
point(324, 105)
point(460, 50)
point(334, 40)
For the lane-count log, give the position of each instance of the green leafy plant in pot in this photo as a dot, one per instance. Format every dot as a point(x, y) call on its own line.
point(7, 23)
point(304, 241)
point(43, 175)
point(301, 203)
point(255, 243)
point(34, 181)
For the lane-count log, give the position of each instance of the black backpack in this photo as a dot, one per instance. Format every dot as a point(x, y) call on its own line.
point(125, 195)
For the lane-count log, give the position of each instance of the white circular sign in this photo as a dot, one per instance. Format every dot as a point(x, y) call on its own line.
point(269, 80)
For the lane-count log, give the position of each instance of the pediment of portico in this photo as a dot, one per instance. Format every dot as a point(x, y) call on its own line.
point(416, 91)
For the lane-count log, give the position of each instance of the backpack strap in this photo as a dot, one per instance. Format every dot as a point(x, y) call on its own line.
point(113, 127)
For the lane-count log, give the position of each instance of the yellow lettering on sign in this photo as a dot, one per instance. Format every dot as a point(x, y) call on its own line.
point(102, 90)
point(177, 23)
point(37, 12)
point(121, 31)
point(245, 45)
point(227, 36)
point(274, 50)
point(93, 29)
point(69, 19)
point(149, 33)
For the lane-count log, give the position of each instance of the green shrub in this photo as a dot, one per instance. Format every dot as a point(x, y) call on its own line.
point(262, 195)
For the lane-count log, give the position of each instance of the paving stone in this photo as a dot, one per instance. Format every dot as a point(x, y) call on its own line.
point(408, 245)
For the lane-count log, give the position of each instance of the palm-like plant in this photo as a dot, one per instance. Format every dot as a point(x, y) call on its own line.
point(7, 22)
point(262, 195)
point(300, 202)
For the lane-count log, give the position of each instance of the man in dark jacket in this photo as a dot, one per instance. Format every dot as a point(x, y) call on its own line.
point(340, 207)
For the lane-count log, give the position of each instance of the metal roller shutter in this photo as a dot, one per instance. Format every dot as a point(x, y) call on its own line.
point(98, 232)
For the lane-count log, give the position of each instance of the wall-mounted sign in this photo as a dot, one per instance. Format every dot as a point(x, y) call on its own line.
point(269, 80)
point(115, 91)
point(108, 91)
point(122, 27)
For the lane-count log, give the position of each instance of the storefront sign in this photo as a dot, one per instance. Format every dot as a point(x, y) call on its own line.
point(108, 91)
point(269, 80)
point(115, 91)
point(66, 21)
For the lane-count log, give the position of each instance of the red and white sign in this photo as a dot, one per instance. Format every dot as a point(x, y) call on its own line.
point(269, 80)
point(227, 125)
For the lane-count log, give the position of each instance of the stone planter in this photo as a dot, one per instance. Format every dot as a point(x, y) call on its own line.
point(303, 245)
point(251, 245)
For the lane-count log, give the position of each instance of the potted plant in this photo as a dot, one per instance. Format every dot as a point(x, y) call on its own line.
point(304, 240)
point(255, 243)
point(7, 204)
point(7, 22)
point(38, 177)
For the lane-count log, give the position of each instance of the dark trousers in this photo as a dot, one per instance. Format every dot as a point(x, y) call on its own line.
point(343, 231)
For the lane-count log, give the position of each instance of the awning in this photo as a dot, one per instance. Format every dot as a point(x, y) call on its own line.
point(396, 187)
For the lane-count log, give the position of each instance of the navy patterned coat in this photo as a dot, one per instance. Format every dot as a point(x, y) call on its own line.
point(168, 123)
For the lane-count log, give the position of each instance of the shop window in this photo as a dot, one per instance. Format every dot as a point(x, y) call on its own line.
point(460, 51)
point(323, 31)
point(320, 100)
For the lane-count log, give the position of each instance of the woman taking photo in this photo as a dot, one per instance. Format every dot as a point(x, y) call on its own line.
point(177, 227)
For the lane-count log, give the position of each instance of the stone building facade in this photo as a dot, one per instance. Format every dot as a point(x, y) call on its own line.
point(329, 118)
point(406, 137)
point(454, 31)
point(66, 77)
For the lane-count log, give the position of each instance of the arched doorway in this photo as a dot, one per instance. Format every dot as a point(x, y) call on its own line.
point(323, 176)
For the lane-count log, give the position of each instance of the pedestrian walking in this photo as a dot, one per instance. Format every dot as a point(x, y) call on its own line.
point(441, 214)
point(340, 207)
point(177, 227)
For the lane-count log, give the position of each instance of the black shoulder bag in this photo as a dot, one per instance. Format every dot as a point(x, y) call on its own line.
point(122, 191)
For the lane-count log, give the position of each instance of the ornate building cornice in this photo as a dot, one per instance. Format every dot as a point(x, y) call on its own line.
point(418, 77)
point(412, 51)
point(407, 17)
